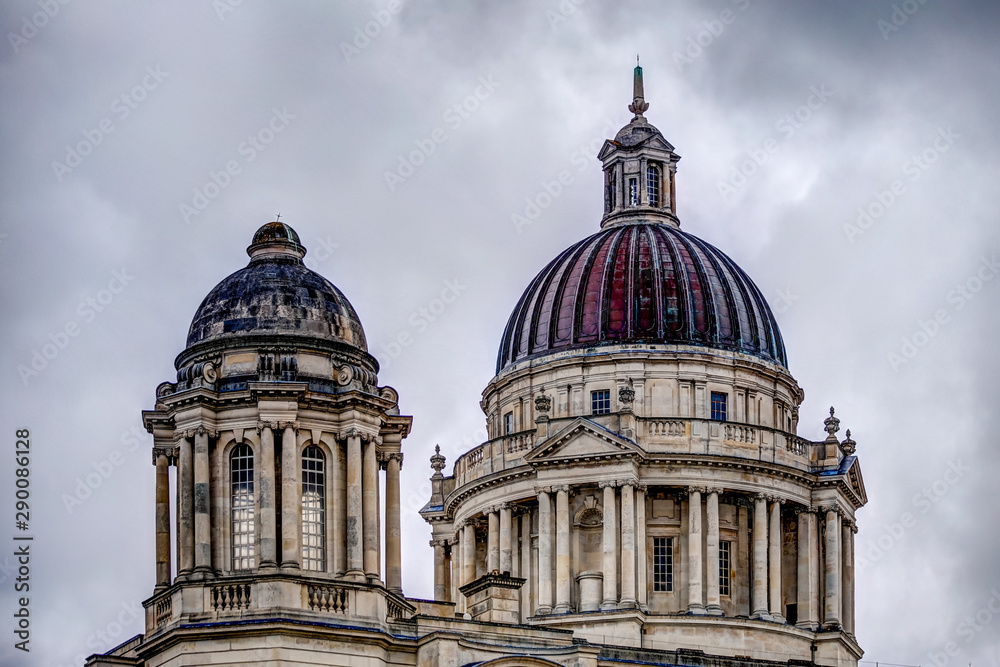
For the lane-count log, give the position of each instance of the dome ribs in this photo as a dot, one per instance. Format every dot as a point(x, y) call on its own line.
point(641, 283)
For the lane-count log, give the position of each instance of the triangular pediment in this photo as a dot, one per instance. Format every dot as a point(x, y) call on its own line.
point(582, 439)
point(856, 481)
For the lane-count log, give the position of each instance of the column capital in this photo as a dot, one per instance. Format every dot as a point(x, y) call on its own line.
point(543, 489)
point(641, 488)
point(826, 509)
point(718, 490)
point(261, 425)
point(804, 509)
point(291, 424)
point(203, 430)
point(439, 543)
point(385, 457)
point(561, 487)
point(697, 489)
point(169, 451)
point(187, 434)
point(607, 483)
point(504, 506)
point(778, 500)
point(762, 496)
point(628, 481)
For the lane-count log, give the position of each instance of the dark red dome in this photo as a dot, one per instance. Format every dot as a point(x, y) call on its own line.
point(641, 283)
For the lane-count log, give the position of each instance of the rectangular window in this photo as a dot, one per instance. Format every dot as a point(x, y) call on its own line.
point(508, 423)
point(718, 406)
point(633, 192)
point(663, 564)
point(725, 565)
point(600, 402)
point(653, 185)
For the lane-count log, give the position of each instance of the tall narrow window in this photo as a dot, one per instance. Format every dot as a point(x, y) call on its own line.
point(241, 502)
point(600, 402)
point(653, 185)
point(609, 190)
point(633, 192)
point(508, 423)
point(313, 510)
point(663, 564)
point(725, 566)
point(718, 406)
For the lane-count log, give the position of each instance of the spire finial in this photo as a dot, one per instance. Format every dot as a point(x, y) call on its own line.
point(277, 218)
point(639, 104)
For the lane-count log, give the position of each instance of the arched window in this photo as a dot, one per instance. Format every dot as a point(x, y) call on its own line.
point(653, 184)
point(313, 510)
point(241, 501)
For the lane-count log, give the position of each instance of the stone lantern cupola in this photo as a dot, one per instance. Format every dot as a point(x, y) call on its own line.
point(639, 167)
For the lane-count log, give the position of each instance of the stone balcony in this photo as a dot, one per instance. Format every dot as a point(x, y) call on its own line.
point(299, 596)
point(656, 435)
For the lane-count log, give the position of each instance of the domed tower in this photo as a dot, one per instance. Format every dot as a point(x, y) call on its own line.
point(277, 429)
point(644, 484)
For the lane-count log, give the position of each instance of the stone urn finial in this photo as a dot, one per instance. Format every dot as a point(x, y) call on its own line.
point(437, 461)
point(543, 404)
point(848, 446)
point(832, 425)
point(626, 394)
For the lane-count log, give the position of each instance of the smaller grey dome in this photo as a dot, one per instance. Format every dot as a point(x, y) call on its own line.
point(636, 132)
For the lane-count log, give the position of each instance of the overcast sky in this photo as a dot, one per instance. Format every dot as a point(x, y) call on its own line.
point(143, 144)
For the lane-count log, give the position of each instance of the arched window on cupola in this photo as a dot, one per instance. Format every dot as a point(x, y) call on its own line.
point(313, 509)
point(242, 504)
point(653, 185)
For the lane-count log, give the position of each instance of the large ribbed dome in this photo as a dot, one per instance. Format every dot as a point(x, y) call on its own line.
point(641, 283)
point(276, 295)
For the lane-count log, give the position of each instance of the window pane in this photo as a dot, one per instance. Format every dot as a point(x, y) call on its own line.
point(633, 192)
point(725, 565)
point(663, 564)
point(653, 185)
point(241, 502)
point(600, 402)
point(313, 510)
point(718, 406)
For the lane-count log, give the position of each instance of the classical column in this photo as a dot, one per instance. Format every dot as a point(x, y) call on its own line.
point(640, 546)
point(712, 600)
point(291, 498)
point(695, 574)
point(369, 509)
point(563, 582)
point(468, 552)
point(831, 570)
point(758, 601)
point(774, 561)
point(185, 507)
point(439, 568)
point(492, 539)
point(355, 500)
point(610, 546)
point(847, 576)
point(202, 522)
point(161, 457)
point(449, 552)
point(393, 547)
point(807, 572)
point(628, 599)
point(338, 510)
point(268, 519)
point(457, 565)
point(506, 550)
point(525, 572)
point(544, 594)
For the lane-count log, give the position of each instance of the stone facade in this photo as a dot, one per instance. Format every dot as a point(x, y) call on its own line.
point(643, 497)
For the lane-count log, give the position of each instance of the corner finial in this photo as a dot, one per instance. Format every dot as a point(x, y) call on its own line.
point(639, 104)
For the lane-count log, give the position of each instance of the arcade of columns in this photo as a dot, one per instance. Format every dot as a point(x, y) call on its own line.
point(825, 539)
point(355, 524)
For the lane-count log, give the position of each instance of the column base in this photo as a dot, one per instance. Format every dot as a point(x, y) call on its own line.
point(373, 579)
point(159, 588)
point(833, 625)
point(609, 605)
point(628, 604)
point(562, 609)
point(643, 607)
point(714, 610)
point(268, 566)
point(778, 618)
point(760, 616)
point(696, 609)
point(202, 572)
point(543, 611)
point(807, 625)
point(290, 565)
point(356, 576)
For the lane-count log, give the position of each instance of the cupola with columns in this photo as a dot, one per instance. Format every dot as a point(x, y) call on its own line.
point(277, 431)
point(644, 482)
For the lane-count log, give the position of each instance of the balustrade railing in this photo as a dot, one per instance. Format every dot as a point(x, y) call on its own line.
point(230, 597)
point(333, 599)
